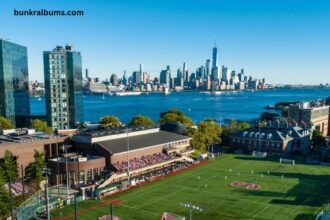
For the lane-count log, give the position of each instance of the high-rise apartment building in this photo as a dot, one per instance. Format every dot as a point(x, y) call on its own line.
point(14, 83)
point(63, 86)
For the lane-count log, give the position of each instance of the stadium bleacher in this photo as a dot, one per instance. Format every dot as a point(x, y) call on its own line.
point(144, 161)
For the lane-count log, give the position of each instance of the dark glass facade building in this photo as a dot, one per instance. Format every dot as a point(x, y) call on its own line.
point(14, 83)
point(63, 86)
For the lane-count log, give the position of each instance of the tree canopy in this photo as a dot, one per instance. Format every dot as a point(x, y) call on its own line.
point(207, 133)
point(141, 120)
point(110, 121)
point(319, 142)
point(4, 203)
point(268, 116)
point(41, 126)
point(34, 171)
point(231, 128)
point(9, 167)
point(174, 115)
point(5, 123)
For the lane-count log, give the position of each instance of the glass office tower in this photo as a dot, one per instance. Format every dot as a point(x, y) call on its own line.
point(63, 86)
point(14, 83)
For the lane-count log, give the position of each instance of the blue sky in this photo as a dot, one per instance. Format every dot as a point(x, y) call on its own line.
point(285, 41)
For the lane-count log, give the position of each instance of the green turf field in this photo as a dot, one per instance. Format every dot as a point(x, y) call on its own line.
point(299, 195)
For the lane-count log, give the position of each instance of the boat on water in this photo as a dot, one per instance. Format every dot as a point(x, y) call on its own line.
point(217, 92)
point(126, 93)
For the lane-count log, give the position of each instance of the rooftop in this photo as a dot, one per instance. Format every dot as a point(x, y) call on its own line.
point(141, 141)
point(273, 134)
point(97, 132)
point(18, 136)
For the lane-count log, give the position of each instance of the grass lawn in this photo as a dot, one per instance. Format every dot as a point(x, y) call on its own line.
point(300, 194)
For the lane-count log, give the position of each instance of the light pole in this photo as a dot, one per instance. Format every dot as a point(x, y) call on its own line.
point(191, 207)
point(111, 215)
point(47, 172)
point(128, 173)
point(75, 206)
point(11, 199)
point(66, 169)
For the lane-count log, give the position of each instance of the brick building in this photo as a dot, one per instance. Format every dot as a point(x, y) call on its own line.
point(22, 145)
point(273, 140)
point(314, 115)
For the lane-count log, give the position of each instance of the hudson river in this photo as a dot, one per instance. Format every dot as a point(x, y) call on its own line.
point(198, 106)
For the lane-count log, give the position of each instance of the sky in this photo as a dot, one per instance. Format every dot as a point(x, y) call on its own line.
point(284, 41)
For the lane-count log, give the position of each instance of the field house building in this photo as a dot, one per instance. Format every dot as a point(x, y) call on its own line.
point(97, 151)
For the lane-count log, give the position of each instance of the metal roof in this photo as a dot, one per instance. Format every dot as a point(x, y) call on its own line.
point(119, 145)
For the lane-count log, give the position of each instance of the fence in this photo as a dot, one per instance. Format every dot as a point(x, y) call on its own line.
point(37, 202)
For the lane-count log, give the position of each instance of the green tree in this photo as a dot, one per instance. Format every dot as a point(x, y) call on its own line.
point(34, 171)
point(198, 141)
point(241, 126)
point(141, 120)
point(268, 116)
point(211, 131)
point(4, 203)
point(207, 133)
point(110, 122)
point(5, 123)
point(9, 167)
point(41, 126)
point(174, 115)
point(231, 128)
point(318, 140)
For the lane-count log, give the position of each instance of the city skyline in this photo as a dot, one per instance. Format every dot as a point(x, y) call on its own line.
point(282, 42)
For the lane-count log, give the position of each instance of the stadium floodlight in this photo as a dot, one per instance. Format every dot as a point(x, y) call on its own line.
point(191, 208)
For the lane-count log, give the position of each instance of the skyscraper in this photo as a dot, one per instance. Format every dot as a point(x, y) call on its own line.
point(136, 77)
point(185, 73)
point(226, 74)
point(86, 73)
point(208, 67)
point(146, 77)
point(141, 73)
point(215, 67)
point(165, 76)
point(14, 83)
point(63, 86)
point(124, 79)
point(114, 79)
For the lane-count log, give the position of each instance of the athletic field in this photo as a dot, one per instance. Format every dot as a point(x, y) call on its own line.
point(287, 192)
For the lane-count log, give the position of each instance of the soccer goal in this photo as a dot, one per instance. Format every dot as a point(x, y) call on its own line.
point(288, 161)
point(259, 154)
